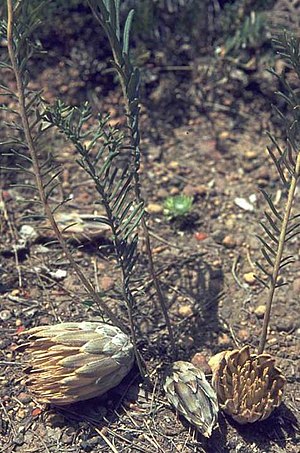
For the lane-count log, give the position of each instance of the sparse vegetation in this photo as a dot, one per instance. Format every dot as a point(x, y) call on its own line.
point(95, 279)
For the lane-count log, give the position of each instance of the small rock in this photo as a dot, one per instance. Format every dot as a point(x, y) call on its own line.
point(106, 283)
point(154, 208)
point(21, 413)
point(5, 315)
point(27, 232)
point(162, 193)
point(244, 204)
point(24, 397)
point(185, 311)
point(173, 164)
point(200, 189)
point(231, 223)
point(191, 190)
point(243, 334)
point(249, 278)
point(174, 191)
point(200, 236)
point(223, 340)
point(229, 242)
point(260, 311)
point(200, 361)
point(224, 135)
point(251, 154)
point(59, 274)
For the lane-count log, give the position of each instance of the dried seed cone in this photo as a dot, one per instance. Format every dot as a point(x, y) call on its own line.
point(249, 386)
point(75, 361)
point(192, 396)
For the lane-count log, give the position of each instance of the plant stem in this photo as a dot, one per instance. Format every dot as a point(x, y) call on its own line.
point(152, 272)
point(279, 254)
point(39, 183)
point(132, 123)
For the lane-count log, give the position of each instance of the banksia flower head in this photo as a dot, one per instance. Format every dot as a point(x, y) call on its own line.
point(189, 392)
point(249, 386)
point(75, 361)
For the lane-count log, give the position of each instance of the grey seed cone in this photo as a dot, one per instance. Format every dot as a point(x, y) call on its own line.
point(249, 386)
point(192, 396)
point(75, 361)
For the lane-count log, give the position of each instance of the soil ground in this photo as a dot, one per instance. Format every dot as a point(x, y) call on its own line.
point(204, 264)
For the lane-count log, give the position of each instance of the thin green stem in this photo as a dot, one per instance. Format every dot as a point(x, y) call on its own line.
point(39, 183)
point(279, 254)
point(132, 118)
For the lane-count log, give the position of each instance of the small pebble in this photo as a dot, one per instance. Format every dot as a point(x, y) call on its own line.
point(28, 232)
point(21, 413)
point(229, 242)
point(244, 204)
point(223, 340)
point(260, 311)
point(173, 164)
point(24, 397)
point(243, 334)
point(200, 361)
point(174, 191)
point(250, 154)
point(154, 208)
point(59, 274)
point(249, 278)
point(5, 315)
point(191, 190)
point(230, 223)
point(106, 282)
point(185, 311)
point(162, 193)
point(200, 235)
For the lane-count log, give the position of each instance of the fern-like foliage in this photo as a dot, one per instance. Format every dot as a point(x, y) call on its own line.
point(281, 226)
point(107, 13)
point(27, 142)
point(284, 157)
point(27, 21)
point(100, 149)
